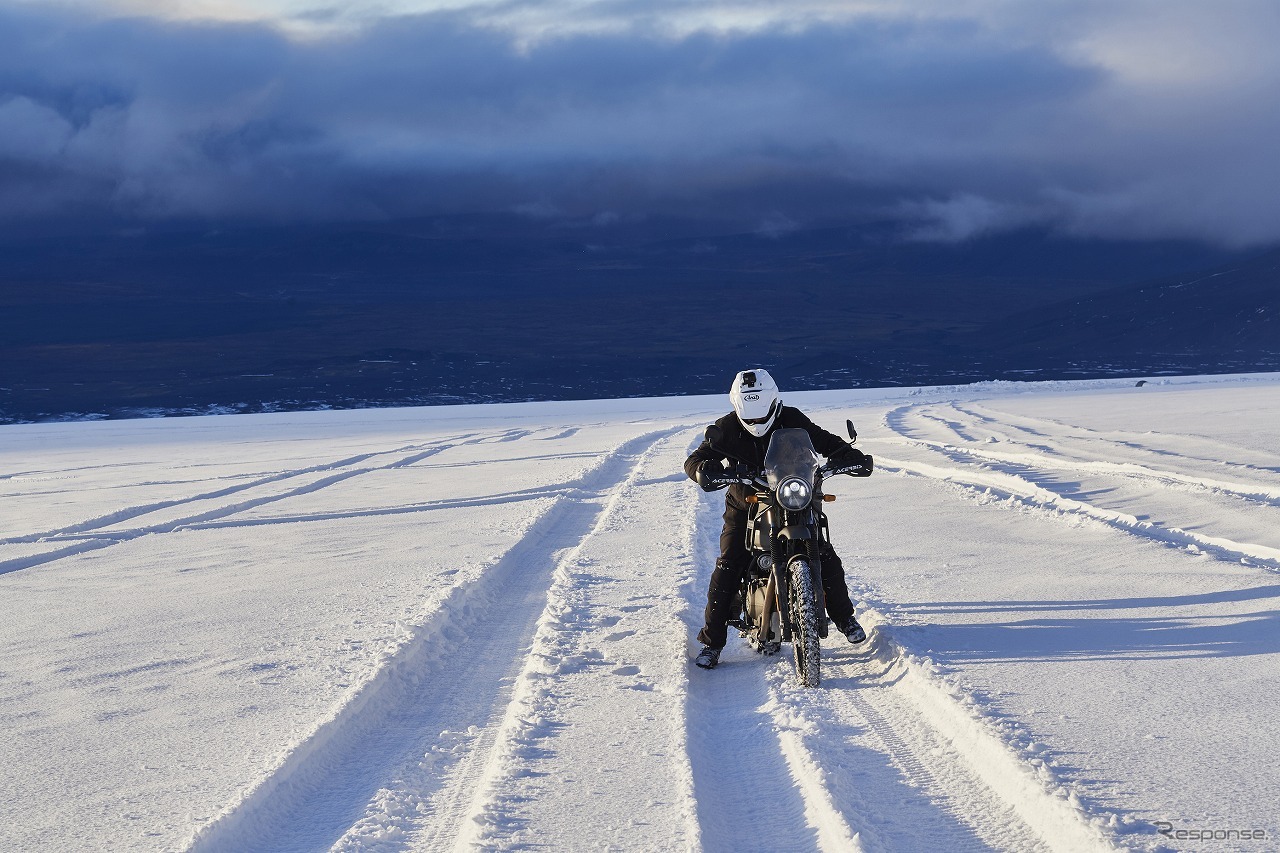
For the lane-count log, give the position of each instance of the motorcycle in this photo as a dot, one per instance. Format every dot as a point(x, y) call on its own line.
point(781, 599)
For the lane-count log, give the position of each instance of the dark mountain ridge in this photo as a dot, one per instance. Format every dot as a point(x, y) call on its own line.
point(506, 308)
point(1233, 308)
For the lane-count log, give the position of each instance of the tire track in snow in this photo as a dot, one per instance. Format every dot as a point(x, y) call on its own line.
point(496, 815)
point(870, 761)
point(889, 758)
point(998, 485)
point(117, 516)
point(913, 767)
point(1002, 798)
point(749, 781)
point(1030, 462)
point(1019, 484)
point(1067, 442)
point(964, 432)
point(17, 564)
point(425, 506)
point(1048, 456)
point(897, 779)
point(1066, 431)
point(418, 732)
point(95, 538)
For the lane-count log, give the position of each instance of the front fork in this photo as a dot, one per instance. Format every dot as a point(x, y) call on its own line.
point(783, 551)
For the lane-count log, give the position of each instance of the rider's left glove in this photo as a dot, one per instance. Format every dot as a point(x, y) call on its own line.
point(848, 456)
point(708, 473)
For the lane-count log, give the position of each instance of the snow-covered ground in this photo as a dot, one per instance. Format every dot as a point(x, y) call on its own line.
point(471, 627)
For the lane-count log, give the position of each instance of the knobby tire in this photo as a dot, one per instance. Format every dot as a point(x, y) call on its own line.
point(804, 615)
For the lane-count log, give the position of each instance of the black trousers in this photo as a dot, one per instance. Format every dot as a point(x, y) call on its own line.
point(734, 560)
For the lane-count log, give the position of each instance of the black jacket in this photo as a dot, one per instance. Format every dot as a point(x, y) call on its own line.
point(741, 446)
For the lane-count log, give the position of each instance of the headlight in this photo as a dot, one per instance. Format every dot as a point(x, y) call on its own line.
point(794, 493)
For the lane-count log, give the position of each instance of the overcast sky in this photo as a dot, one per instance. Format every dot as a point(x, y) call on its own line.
point(1109, 118)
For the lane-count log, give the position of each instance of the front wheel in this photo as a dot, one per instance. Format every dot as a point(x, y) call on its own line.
point(804, 617)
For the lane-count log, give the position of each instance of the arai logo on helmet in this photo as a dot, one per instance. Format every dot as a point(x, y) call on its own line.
point(751, 396)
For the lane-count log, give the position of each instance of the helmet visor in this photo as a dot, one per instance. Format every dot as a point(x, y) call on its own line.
point(765, 418)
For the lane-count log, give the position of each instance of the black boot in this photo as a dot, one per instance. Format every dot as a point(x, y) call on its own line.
point(708, 657)
point(851, 629)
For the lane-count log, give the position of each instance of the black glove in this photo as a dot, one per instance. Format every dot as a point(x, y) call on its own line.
point(847, 457)
point(708, 473)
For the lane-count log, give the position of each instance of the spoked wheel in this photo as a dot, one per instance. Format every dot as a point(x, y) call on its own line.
point(804, 614)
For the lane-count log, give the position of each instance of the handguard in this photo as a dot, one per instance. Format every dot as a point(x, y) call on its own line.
point(728, 478)
point(709, 483)
point(861, 468)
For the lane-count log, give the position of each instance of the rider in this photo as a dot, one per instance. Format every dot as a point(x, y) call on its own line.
point(745, 431)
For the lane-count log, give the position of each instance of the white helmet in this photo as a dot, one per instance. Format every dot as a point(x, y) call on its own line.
point(755, 400)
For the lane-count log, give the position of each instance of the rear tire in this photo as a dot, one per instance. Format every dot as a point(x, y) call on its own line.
point(804, 617)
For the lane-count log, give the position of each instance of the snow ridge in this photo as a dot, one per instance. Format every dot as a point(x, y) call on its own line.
point(383, 730)
point(1022, 782)
point(492, 818)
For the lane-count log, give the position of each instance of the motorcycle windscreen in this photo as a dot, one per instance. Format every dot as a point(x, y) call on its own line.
point(791, 454)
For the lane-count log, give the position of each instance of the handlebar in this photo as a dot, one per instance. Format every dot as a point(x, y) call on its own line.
point(856, 469)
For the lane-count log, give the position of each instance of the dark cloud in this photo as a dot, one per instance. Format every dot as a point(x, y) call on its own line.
point(954, 126)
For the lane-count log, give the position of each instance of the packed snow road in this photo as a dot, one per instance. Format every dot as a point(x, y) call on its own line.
point(471, 628)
